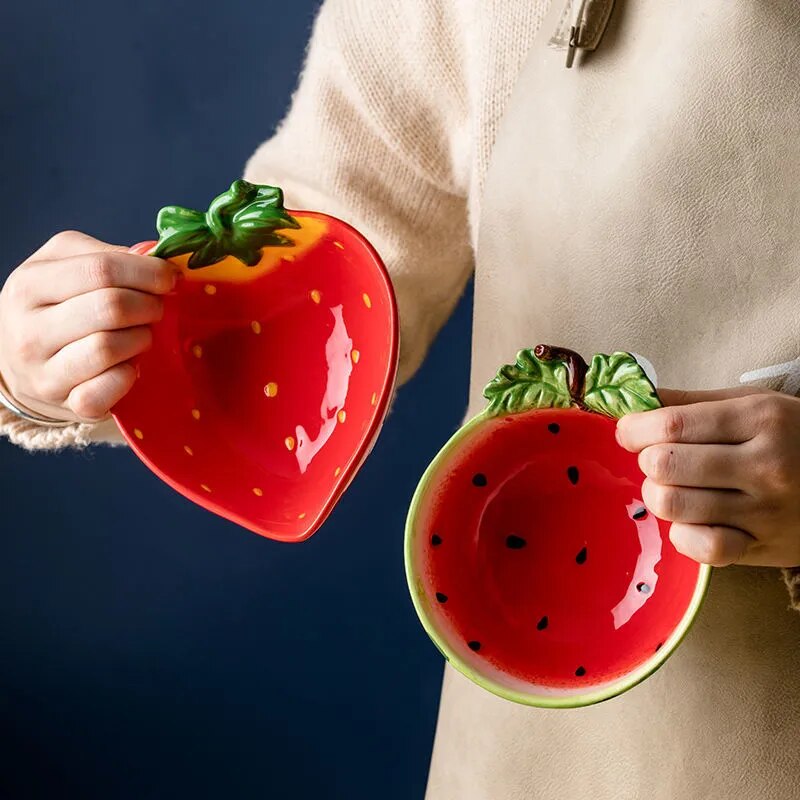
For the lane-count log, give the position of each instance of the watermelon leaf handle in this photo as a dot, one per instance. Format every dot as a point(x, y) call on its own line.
point(556, 377)
point(576, 367)
point(529, 383)
point(239, 223)
point(616, 385)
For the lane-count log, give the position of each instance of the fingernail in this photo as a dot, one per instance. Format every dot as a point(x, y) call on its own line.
point(177, 277)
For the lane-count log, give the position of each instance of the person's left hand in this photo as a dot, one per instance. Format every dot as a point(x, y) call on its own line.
point(724, 468)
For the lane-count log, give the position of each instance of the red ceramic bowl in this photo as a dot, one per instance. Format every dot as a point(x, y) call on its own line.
point(535, 566)
point(266, 386)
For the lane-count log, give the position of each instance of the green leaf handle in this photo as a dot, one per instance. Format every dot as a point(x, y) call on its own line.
point(529, 383)
point(616, 385)
point(555, 377)
point(239, 223)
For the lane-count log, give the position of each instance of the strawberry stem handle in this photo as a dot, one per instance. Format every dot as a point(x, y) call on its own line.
point(576, 367)
point(238, 223)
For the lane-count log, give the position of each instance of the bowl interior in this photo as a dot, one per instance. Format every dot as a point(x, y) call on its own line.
point(259, 399)
point(535, 565)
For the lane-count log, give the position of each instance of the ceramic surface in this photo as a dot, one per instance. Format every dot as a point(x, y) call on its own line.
point(267, 384)
point(534, 564)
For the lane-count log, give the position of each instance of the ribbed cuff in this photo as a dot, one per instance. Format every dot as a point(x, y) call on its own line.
point(792, 577)
point(31, 436)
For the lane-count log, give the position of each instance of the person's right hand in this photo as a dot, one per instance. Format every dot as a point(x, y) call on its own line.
point(72, 316)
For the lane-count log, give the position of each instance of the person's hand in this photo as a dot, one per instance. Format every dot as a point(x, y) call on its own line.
point(72, 316)
point(724, 468)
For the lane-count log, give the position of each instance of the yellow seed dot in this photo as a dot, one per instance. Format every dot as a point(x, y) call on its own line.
point(301, 516)
point(339, 245)
point(258, 492)
point(355, 355)
point(210, 288)
point(196, 413)
point(204, 487)
point(289, 442)
point(189, 451)
point(374, 399)
point(271, 389)
point(138, 434)
point(367, 301)
point(315, 296)
point(197, 351)
point(342, 415)
point(256, 326)
point(337, 472)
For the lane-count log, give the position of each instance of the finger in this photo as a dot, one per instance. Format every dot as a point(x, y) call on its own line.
point(93, 399)
point(730, 421)
point(710, 466)
point(88, 357)
point(717, 545)
point(103, 309)
point(681, 397)
point(72, 243)
point(697, 506)
point(51, 282)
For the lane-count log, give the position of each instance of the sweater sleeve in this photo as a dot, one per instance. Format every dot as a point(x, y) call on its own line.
point(377, 134)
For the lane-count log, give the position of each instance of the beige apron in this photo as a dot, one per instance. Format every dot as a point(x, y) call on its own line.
point(649, 199)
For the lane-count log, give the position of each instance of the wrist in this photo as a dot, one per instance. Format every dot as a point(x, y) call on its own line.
point(10, 403)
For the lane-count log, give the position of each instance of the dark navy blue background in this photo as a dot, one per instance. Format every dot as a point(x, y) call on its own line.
point(150, 649)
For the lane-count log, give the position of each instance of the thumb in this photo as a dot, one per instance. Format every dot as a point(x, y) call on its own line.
point(684, 397)
point(72, 243)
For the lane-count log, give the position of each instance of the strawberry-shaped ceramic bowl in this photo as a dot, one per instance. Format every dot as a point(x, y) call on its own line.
point(272, 368)
point(531, 559)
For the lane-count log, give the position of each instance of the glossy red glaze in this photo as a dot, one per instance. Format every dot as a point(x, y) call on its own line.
point(260, 399)
point(584, 592)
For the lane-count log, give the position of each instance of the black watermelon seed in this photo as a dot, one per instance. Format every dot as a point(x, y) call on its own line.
point(642, 587)
point(581, 557)
point(515, 542)
point(554, 427)
point(436, 540)
point(572, 474)
point(580, 672)
point(479, 479)
point(442, 598)
point(659, 646)
point(474, 646)
point(640, 513)
point(542, 623)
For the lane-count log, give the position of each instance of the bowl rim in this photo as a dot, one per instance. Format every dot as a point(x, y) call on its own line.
point(421, 605)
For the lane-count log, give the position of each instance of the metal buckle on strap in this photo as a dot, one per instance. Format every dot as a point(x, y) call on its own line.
point(581, 26)
point(572, 45)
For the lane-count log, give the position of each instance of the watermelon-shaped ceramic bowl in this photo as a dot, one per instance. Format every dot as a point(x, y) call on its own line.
point(531, 559)
point(271, 371)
